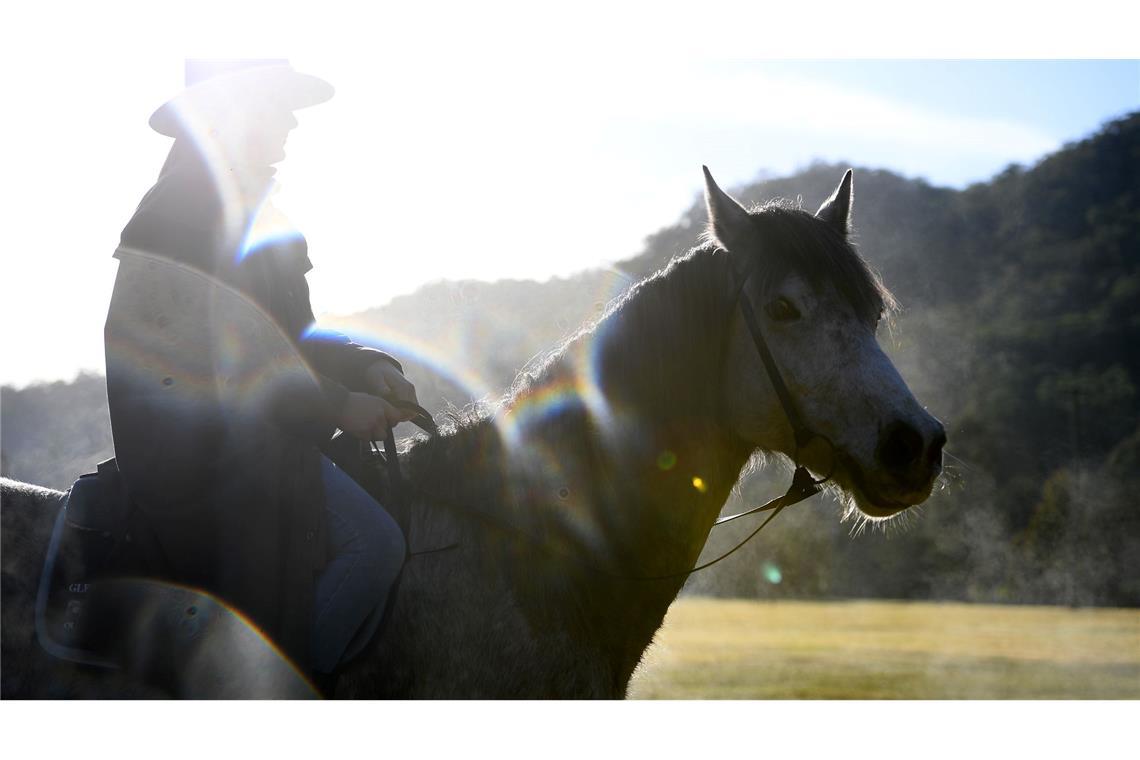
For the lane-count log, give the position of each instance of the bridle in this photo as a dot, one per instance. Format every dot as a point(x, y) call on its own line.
point(802, 487)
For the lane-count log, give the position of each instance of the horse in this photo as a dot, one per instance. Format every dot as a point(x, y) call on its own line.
point(550, 533)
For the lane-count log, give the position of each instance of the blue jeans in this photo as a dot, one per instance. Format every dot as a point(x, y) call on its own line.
point(367, 549)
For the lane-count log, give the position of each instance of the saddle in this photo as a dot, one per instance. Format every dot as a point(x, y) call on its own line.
point(104, 569)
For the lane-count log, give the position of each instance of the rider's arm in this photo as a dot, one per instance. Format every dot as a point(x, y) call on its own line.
point(337, 356)
point(381, 376)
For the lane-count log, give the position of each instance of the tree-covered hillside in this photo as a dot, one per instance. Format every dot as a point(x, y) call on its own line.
point(1021, 313)
point(1019, 329)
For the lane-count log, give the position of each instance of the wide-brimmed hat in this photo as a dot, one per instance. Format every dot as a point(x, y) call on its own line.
point(214, 86)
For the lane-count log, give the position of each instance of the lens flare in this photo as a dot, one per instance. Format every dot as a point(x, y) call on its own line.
point(406, 347)
point(771, 573)
point(540, 405)
point(184, 339)
point(197, 127)
point(223, 653)
point(267, 228)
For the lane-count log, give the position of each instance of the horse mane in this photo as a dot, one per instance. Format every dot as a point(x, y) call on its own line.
point(680, 310)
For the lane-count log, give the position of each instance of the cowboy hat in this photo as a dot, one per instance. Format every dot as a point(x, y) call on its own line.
point(215, 86)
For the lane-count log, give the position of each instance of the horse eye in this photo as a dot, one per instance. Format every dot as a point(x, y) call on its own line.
point(782, 310)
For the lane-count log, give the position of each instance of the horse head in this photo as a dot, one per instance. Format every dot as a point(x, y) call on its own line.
point(818, 306)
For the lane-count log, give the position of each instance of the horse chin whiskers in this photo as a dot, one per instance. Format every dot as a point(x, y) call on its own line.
point(850, 512)
point(859, 508)
point(861, 519)
point(866, 505)
point(904, 521)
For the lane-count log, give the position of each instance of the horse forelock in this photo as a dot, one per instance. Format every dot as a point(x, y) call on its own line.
point(796, 241)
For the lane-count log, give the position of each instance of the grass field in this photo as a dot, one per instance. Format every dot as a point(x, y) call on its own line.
point(734, 649)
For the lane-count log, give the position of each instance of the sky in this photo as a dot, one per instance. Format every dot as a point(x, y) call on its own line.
point(500, 140)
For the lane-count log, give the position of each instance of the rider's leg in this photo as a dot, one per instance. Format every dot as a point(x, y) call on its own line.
point(367, 550)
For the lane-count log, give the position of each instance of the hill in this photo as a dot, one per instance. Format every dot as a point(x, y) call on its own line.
point(1020, 316)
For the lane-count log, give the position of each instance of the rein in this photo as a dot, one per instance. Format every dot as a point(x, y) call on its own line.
point(802, 487)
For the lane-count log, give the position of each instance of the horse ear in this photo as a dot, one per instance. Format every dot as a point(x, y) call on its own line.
point(836, 210)
point(729, 224)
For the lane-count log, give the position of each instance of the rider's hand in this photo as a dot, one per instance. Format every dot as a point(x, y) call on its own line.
point(384, 379)
point(368, 417)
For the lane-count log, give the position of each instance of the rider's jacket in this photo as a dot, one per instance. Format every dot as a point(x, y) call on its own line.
point(219, 393)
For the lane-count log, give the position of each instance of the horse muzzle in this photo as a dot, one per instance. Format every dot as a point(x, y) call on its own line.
point(906, 466)
point(911, 457)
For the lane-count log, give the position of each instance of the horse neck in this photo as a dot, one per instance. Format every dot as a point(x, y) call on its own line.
point(659, 361)
point(638, 457)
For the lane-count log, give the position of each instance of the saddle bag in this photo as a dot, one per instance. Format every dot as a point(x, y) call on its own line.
point(93, 538)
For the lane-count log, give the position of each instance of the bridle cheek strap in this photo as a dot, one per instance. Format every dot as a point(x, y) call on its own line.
point(803, 486)
point(802, 434)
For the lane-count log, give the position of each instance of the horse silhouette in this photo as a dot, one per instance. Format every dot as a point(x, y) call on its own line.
point(572, 511)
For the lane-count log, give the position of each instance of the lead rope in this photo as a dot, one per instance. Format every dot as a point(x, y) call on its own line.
point(802, 487)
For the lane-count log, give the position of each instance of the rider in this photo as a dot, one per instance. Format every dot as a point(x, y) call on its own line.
point(220, 392)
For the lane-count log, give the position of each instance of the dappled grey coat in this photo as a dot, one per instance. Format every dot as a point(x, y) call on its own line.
point(219, 397)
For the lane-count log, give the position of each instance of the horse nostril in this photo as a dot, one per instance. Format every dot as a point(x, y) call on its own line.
point(934, 452)
point(900, 447)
